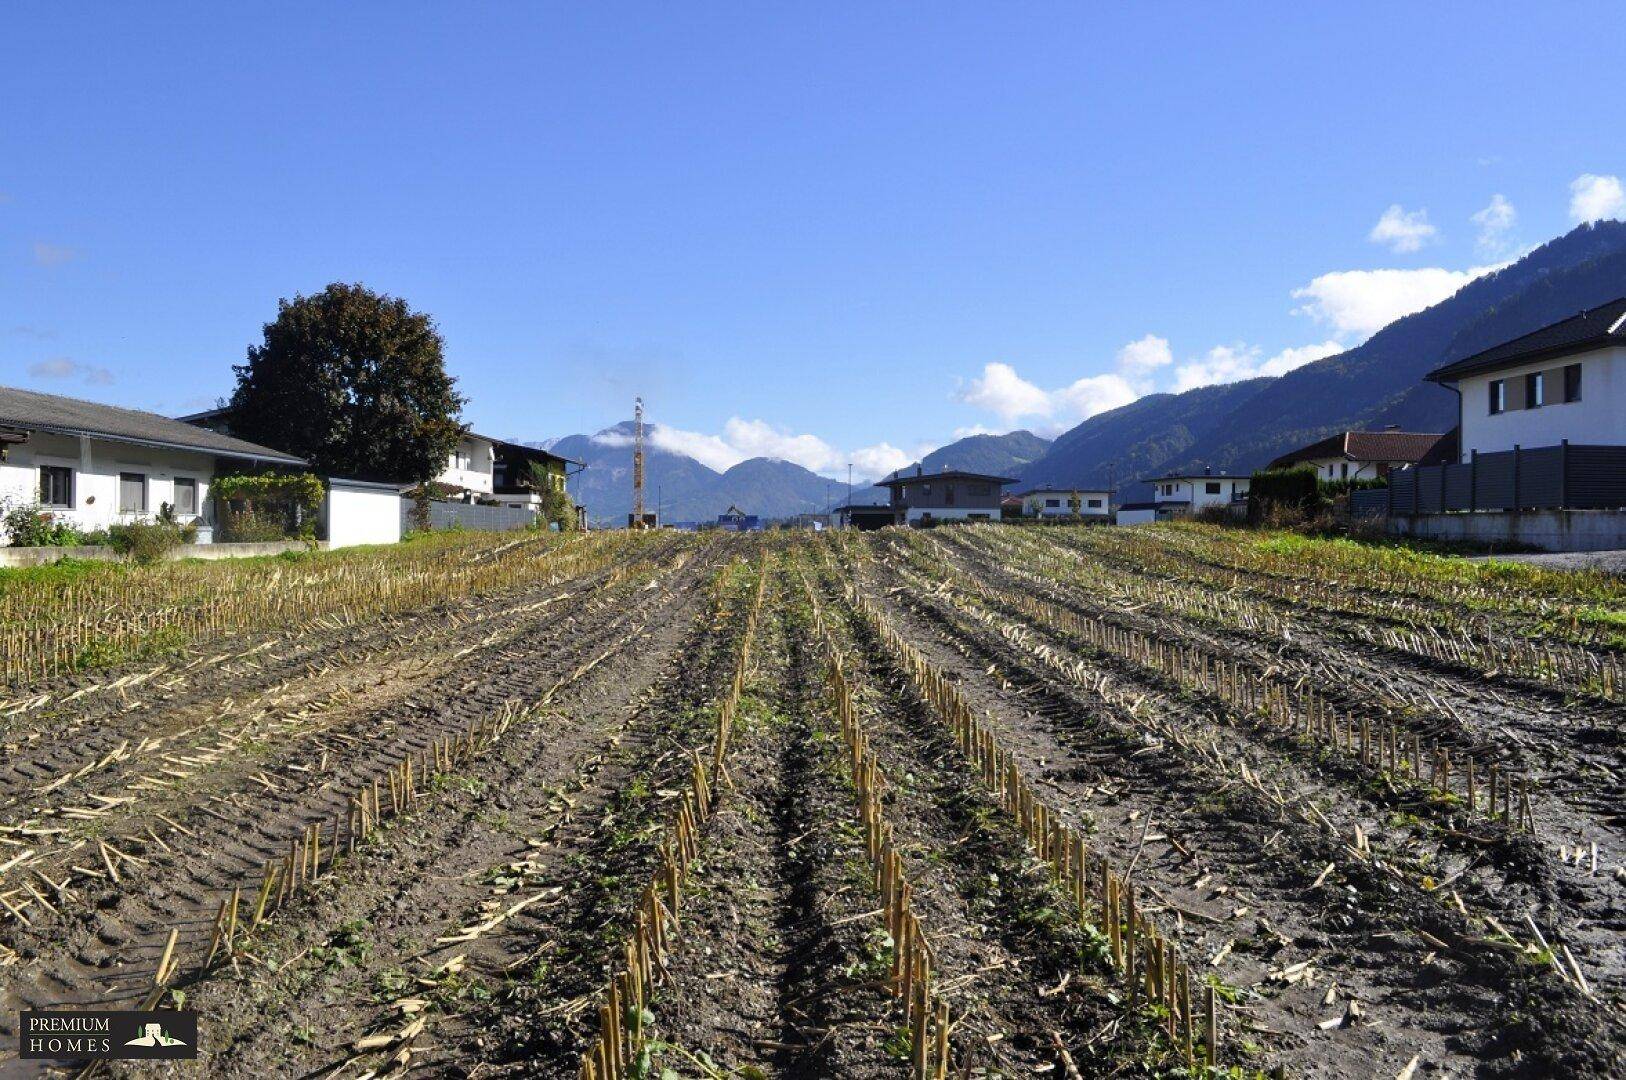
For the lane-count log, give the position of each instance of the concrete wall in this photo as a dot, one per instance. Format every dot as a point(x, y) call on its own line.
point(361, 514)
point(919, 515)
point(17, 557)
point(1136, 517)
point(1598, 419)
point(1550, 530)
point(96, 465)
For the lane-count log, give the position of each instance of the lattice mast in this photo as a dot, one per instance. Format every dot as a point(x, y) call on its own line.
point(638, 463)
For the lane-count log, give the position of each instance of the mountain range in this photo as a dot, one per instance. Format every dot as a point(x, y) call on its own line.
point(1229, 427)
point(1241, 426)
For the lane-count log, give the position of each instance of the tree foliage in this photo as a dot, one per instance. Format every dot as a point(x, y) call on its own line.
point(353, 381)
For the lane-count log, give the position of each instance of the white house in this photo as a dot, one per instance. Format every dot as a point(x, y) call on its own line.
point(94, 465)
point(472, 464)
point(1361, 455)
point(1564, 382)
point(1181, 494)
point(1058, 502)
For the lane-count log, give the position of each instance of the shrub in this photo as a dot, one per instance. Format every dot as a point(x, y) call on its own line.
point(31, 525)
point(269, 506)
point(148, 541)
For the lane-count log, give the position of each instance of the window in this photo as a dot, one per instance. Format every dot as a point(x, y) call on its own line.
point(1572, 382)
point(56, 485)
point(948, 494)
point(1535, 390)
point(186, 495)
point(979, 489)
point(1212, 487)
point(1095, 504)
point(1498, 396)
point(132, 493)
point(1344, 470)
point(1053, 503)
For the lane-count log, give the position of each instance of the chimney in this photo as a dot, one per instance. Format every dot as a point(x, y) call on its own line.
point(920, 470)
point(1208, 470)
point(1391, 427)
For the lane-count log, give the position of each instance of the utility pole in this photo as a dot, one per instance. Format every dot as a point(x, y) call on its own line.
point(849, 491)
point(638, 463)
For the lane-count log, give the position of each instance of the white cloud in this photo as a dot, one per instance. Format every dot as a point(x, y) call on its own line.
point(742, 439)
point(1362, 302)
point(1494, 221)
point(1148, 354)
point(870, 462)
point(1593, 198)
point(1233, 363)
point(1402, 230)
point(1003, 392)
point(1091, 395)
point(61, 367)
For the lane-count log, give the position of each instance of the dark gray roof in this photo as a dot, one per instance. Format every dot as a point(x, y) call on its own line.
point(1595, 328)
point(902, 477)
point(34, 411)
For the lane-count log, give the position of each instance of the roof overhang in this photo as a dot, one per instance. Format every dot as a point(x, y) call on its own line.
point(1453, 373)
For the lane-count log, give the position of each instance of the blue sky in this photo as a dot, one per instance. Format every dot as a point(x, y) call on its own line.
point(826, 232)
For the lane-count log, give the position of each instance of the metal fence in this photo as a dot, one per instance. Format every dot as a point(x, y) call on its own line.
point(1563, 477)
point(452, 515)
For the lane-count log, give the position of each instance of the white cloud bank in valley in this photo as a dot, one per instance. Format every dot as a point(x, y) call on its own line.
point(1359, 303)
point(1001, 391)
point(742, 439)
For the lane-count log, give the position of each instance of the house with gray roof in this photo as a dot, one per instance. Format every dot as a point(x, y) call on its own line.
point(95, 465)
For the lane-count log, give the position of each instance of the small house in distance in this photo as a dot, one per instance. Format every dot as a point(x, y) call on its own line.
point(1180, 495)
point(736, 520)
point(922, 499)
point(1058, 502)
point(1361, 455)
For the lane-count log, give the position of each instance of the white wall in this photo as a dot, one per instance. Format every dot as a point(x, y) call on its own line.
point(96, 464)
point(1598, 419)
point(1137, 517)
point(1333, 468)
point(1033, 503)
point(478, 457)
point(1195, 491)
point(952, 513)
point(361, 514)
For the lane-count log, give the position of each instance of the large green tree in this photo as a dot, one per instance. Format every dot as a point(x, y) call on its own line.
point(354, 382)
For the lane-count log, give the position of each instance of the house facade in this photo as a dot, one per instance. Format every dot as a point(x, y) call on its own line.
point(1361, 455)
point(1563, 383)
point(92, 465)
point(513, 467)
point(922, 498)
point(1057, 502)
point(1179, 495)
point(471, 465)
